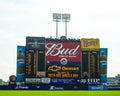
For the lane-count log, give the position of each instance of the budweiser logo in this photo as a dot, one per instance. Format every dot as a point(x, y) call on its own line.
point(58, 49)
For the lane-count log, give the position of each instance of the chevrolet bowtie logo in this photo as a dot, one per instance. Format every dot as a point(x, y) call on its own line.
point(54, 68)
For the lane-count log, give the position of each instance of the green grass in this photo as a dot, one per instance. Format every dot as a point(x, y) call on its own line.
point(58, 93)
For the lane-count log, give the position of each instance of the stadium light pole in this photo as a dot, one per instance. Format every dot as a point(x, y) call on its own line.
point(66, 18)
point(56, 18)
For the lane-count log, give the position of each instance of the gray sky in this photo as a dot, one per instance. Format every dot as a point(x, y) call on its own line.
point(89, 19)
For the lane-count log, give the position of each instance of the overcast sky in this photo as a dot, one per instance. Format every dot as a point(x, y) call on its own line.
point(89, 19)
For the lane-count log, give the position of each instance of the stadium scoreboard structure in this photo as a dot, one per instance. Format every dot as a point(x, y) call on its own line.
point(66, 62)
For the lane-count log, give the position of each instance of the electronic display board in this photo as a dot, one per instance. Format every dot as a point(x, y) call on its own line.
point(90, 72)
point(35, 43)
point(35, 59)
point(30, 63)
point(94, 64)
point(85, 65)
point(63, 59)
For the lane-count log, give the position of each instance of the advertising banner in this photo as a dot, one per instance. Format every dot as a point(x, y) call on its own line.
point(55, 51)
point(63, 59)
point(43, 87)
point(90, 44)
point(20, 63)
point(103, 58)
point(89, 81)
point(103, 64)
point(98, 87)
point(63, 74)
point(64, 81)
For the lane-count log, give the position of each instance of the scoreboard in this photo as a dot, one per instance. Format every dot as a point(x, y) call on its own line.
point(64, 61)
point(35, 59)
point(90, 61)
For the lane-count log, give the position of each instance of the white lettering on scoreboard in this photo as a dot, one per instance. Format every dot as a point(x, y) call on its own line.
point(90, 81)
point(58, 49)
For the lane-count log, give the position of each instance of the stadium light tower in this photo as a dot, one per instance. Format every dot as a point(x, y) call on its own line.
point(56, 18)
point(66, 18)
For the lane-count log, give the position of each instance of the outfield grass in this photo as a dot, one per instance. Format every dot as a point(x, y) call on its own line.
point(58, 93)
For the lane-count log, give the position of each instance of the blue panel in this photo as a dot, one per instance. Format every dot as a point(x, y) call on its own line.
point(98, 87)
point(48, 63)
point(103, 64)
point(63, 81)
point(20, 63)
point(103, 78)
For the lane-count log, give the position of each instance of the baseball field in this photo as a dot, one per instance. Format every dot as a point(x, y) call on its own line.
point(58, 93)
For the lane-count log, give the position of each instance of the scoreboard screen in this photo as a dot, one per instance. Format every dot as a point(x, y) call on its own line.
point(63, 59)
point(35, 59)
point(30, 63)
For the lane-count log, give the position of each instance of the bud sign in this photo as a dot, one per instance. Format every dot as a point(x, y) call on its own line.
point(63, 59)
point(57, 50)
